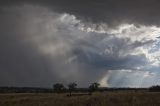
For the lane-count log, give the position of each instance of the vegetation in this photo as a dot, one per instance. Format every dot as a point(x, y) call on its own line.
point(93, 87)
point(155, 88)
point(96, 99)
point(25, 90)
point(14, 96)
point(72, 87)
point(58, 87)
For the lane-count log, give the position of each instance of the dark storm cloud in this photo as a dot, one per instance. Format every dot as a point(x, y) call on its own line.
point(29, 35)
point(43, 42)
point(111, 12)
point(110, 63)
point(20, 63)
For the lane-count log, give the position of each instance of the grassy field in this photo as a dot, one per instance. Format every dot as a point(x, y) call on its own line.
point(96, 99)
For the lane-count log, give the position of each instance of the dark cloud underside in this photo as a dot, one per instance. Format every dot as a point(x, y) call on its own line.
point(112, 12)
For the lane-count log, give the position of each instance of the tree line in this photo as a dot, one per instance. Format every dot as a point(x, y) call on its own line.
point(72, 87)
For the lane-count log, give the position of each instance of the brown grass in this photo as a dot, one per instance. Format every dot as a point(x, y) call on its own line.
point(97, 99)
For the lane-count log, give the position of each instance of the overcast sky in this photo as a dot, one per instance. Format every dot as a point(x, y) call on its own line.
point(113, 42)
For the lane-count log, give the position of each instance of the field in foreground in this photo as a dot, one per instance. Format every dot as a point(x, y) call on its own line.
point(96, 99)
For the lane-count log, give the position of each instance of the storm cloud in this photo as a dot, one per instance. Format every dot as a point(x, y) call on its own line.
point(111, 11)
point(113, 43)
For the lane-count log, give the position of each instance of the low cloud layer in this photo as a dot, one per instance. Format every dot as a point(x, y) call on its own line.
point(41, 46)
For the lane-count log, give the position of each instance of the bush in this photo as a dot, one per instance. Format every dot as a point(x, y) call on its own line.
point(155, 88)
point(58, 87)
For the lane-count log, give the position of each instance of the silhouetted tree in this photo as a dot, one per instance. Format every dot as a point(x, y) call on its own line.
point(58, 87)
point(72, 87)
point(93, 87)
point(155, 88)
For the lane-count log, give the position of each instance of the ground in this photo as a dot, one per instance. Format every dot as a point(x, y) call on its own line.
point(96, 99)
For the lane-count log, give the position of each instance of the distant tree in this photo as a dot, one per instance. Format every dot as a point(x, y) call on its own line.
point(71, 87)
point(58, 87)
point(155, 88)
point(93, 87)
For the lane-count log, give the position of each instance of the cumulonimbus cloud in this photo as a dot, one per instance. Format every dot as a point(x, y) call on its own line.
point(40, 47)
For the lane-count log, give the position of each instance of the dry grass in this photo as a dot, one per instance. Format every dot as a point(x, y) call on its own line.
point(97, 99)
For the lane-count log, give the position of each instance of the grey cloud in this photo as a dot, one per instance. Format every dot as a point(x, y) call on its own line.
point(39, 49)
point(112, 12)
point(27, 48)
point(110, 62)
